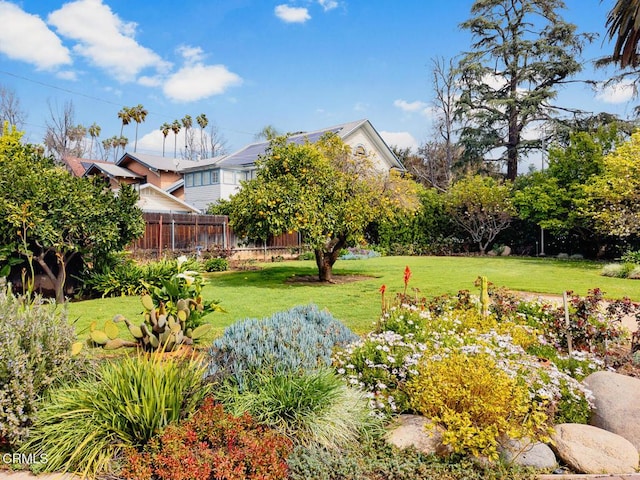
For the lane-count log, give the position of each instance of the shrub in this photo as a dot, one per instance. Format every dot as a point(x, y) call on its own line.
point(375, 459)
point(216, 265)
point(183, 284)
point(83, 426)
point(299, 339)
point(307, 256)
point(311, 408)
point(355, 253)
point(35, 351)
point(125, 277)
point(592, 326)
point(631, 256)
point(212, 444)
point(121, 279)
point(476, 403)
point(634, 274)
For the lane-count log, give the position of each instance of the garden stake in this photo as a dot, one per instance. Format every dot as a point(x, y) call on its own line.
point(565, 301)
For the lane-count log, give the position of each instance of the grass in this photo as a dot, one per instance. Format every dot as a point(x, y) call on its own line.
point(260, 293)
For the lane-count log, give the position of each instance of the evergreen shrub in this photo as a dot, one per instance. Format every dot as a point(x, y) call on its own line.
point(35, 352)
point(295, 340)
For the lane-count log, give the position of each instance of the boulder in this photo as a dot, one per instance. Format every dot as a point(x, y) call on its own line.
point(591, 450)
point(526, 453)
point(418, 432)
point(617, 404)
point(506, 251)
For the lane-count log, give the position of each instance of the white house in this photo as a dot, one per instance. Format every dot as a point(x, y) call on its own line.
point(211, 180)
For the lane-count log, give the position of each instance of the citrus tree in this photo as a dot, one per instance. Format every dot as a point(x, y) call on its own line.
point(321, 191)
point(49, 217)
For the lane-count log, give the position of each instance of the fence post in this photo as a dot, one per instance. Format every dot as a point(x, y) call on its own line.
point(173, 234)
point(160, 238)
point(224, 235)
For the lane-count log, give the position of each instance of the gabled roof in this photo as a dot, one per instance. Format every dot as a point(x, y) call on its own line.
point(110, 170)
point(147, 191)
point(156, 162)
point(174, 186)
point(247, 155)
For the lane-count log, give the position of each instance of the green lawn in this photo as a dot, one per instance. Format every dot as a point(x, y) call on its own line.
point(262, 292)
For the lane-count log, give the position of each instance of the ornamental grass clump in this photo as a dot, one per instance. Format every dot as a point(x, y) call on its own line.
point(83, 426)
point(311, 408)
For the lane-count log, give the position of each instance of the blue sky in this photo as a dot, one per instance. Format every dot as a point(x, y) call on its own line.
point(295, 64)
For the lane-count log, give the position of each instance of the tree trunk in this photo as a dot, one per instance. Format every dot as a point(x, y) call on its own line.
point(326, 257)
point(60, 279)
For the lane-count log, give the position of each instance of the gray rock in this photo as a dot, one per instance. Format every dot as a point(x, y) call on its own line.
point(617, 404)
point(418, 432)
point(588, 449)
point(563, 255)
point(506, 251)
point(526, 453)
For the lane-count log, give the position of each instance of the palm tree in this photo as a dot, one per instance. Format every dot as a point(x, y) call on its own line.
point(94, 131)
point(175, 128)
point(623, 23)
point(165, 128)
point(187, 123)
point(125, 116)
point(138, 115)
point(203, 121)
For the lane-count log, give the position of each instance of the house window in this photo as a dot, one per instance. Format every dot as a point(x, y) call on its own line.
point(360, 151)
point(228, 177)
point(197, 179)
point(215, 176)
point(188, 180)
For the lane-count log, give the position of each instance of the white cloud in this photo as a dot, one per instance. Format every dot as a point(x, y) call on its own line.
point(400, 139)
point(292, 14)
point(104, 39)
point(414, 107)
point(27, 38)
point(194, 82)
point(328, 4)
point(152, 142)
point(67, 75)
point(619, 93)
point(190, 54)
point(150, 81)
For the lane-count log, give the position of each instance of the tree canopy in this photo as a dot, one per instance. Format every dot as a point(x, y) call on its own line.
point(522, 51)
point(321, 191)
point(481, 206)
point(50, 217)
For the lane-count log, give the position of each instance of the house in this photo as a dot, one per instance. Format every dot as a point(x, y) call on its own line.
point(210, 180)
point(157, 179)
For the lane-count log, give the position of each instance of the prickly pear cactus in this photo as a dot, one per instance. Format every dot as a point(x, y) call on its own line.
point(162, 330)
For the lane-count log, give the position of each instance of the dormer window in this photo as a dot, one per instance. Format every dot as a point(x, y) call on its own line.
point(360, 151)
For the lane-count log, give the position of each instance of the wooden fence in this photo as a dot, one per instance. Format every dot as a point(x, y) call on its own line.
point(165, 232)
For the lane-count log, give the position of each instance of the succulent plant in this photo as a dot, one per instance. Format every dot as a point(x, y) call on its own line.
point(160, 330)
point(163, 330)
point(107, 338)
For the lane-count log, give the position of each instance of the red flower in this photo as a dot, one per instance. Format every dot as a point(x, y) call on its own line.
point(407, 275)
point(383, 289)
